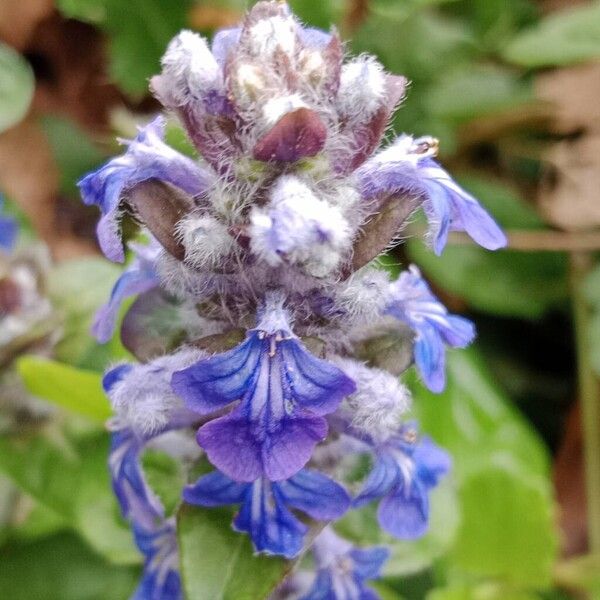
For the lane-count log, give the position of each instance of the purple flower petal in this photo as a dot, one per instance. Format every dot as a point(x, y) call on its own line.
point(343, 570)
point(412, 302)
point(224, 42)
point(407, 167)
point(9, 230)
point(147, 157)
point(315, 494)
point(138, 502)
point(137, 278)
point(405, 472)
point(265, 513)
point(405, 513)
point(382, 478)
point(271, 526)
point(160, 578)
point(245, 448)
point(283, 391)
point(215, 489)
point(220, 379)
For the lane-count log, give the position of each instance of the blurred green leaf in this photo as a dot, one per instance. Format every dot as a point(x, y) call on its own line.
point(73, 151)
point(407, 557)
point(138, 33)
point(472, 91)
point(496, 21)
point(228, 569)
point(501, 469)
point(61, 568)
point(506, 283)
point(503, 201)
point(16, 87)
point(482, 591)
point(77, 390)
point(580, 573)
point(165, 476)
point(41, 521)
point(47, 469)
point(77, 289)
point(316, 13)
point(91, 11)
point(70, 476)
point(562, 38)
point(507, 530)
point(430, 43)
point(476, 423)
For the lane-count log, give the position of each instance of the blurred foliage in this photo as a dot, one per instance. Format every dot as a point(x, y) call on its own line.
point(472, 66)
point(17, 87)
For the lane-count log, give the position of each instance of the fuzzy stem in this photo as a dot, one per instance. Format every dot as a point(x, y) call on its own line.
point(589, 394)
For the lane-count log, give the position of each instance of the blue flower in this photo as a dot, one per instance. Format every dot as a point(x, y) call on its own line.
point(343, 569)
point(155, 535)
point(412, 302)
point(283, 393)
point(404, 473)
point(139, 277)
point(147, 157)
point(160, 579)
point(407, 167)
point(8, 231)
point(138, 502)
point(265, 506)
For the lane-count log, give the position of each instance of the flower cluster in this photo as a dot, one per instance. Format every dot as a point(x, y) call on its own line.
point(261, 274)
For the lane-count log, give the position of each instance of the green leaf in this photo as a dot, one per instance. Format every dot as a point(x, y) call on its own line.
point(73, 151)
point(472, 91)
point(476, 423)
point(61, 568)
point(503, 201)
point(563, 38)
point(97, 517)
point(507, 530)
point(362, 527)
point(70, 476)
point(482, 591)
point(77, 390)
point(500, 467)
point(316, 13)
point(77, 288)
point(91, 11)
point(218, 563)
point(16, 87)
point(580, 573)
point(506, 283)
point(140, 32)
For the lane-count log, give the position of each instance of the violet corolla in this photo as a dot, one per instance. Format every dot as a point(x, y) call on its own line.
point(264, 249)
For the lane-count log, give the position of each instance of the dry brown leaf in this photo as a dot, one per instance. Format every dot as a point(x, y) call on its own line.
point(28, 174)
point(19, 18)
point(569, 195)
point(213, 17)
point(573, 93)
point(69, 61)
point(570, 488)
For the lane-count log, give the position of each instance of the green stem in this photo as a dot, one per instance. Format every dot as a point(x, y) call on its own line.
point(589, 394)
